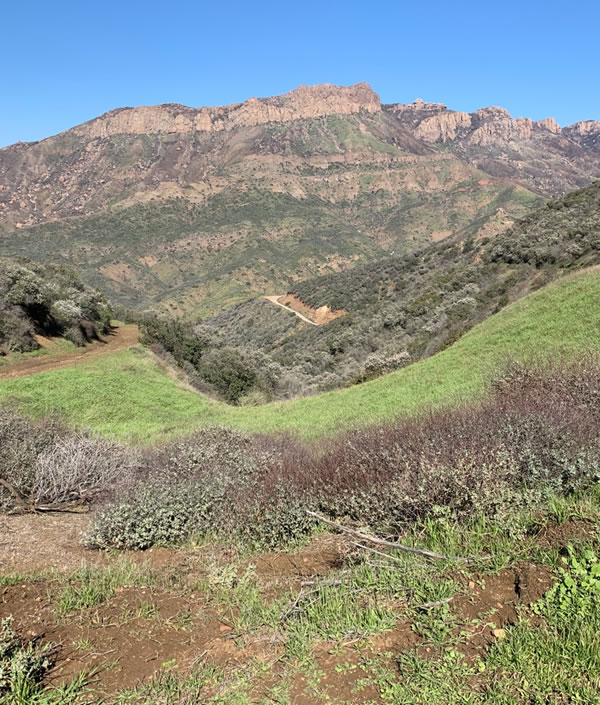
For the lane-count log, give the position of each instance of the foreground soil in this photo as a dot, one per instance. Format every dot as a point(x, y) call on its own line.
point(175, 625)
point(121, 338)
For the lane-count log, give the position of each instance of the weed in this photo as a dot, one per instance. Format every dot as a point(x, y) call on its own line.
point(90, 587)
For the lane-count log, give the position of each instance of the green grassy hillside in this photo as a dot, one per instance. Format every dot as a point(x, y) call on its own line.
point(129, 396)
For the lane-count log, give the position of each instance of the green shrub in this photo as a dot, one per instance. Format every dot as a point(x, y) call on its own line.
point(47, 299)
point(576, 594)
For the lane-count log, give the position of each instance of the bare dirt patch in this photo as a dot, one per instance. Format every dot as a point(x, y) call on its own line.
point(566, 532)
point(320, 316)
point(121, 338)
point(127, 639)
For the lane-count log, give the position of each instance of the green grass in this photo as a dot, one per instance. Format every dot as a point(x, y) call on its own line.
point(58, 346)
point(89, 587)
point(127, 395)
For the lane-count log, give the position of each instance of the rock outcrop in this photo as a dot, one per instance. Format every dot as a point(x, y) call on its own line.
point(304, 102)
point(443, 126)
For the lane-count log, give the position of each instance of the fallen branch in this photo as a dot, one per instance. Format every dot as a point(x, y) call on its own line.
point(17, 497)
point(388, 544)
point(69, 507)
point(437, 603)
point(379, 553)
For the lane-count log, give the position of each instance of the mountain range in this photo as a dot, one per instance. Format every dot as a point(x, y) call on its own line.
point(189, 211)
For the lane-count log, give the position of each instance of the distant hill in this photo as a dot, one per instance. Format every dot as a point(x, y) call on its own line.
point(401, 309)
point(190, 210)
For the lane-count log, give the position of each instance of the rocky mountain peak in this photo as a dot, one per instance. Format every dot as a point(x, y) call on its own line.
point(548, 124)
point(301, 103)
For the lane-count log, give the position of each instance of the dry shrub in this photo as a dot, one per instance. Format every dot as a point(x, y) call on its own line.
point(45, 463)
point(78, 468)
point(21, 442)
point(537, 435)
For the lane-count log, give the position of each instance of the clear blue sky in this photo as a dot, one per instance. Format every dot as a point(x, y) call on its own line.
point(64, 62)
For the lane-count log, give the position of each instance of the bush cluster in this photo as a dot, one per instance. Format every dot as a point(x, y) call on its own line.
point(43, 463)
point(538, 435)
point(47, 299)
point(238, 375)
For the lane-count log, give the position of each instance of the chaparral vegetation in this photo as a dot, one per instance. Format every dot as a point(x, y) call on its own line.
point(400, 505)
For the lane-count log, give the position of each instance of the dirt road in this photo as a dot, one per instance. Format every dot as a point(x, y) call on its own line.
point(275, 300)
point(121, 338)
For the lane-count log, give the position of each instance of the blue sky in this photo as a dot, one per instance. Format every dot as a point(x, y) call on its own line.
point(65, 62)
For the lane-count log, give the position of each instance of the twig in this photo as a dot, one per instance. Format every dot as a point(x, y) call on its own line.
point(379, 553)
point(74, 508)
point(17, 497)
point(388, 544)
point(437, 603)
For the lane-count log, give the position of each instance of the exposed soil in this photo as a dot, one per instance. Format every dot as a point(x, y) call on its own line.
point(320, 315)
point(141, 630)
point(315, 316)
point(276, 300)
point(570, 530)
point(127, 638)
point(120, 339)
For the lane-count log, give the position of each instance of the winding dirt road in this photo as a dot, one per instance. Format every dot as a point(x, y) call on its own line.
point(121, 338)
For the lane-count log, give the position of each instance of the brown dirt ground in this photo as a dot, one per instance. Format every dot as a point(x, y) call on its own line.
point(315, 316)
point(182, 628)
point(121, 338)
point(320, 315)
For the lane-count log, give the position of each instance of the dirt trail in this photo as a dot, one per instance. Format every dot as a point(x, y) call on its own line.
point(120, 339)
point(275, 300)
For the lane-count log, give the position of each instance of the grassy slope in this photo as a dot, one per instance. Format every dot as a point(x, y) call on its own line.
point(128, 395)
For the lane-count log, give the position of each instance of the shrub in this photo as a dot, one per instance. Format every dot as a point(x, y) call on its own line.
point(538, 435)
point(79, 468)
point(47, 299)
point(155, 514)
point(180, 489)
point(21, 443)
point(44, 463)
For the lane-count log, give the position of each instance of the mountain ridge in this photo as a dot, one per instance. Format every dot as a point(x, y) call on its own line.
point(195, 209)
point(434, 120)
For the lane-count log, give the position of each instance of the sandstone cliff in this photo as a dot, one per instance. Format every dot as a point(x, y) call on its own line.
point(304, 102)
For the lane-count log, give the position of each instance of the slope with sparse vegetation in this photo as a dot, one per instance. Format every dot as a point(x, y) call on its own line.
point(129, 396)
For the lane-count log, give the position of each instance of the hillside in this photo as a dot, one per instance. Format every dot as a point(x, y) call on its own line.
point(191, 210)
point(130, 396)
point(405, 308)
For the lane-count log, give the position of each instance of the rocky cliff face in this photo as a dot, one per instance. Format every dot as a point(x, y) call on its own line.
point(302, 103)
point(537, 153)
point(434, 122)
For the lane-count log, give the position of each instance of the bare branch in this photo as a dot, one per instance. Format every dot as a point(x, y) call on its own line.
point(388, 544)
point(437, 603)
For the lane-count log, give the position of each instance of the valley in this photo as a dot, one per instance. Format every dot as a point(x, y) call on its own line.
point(378, 486)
